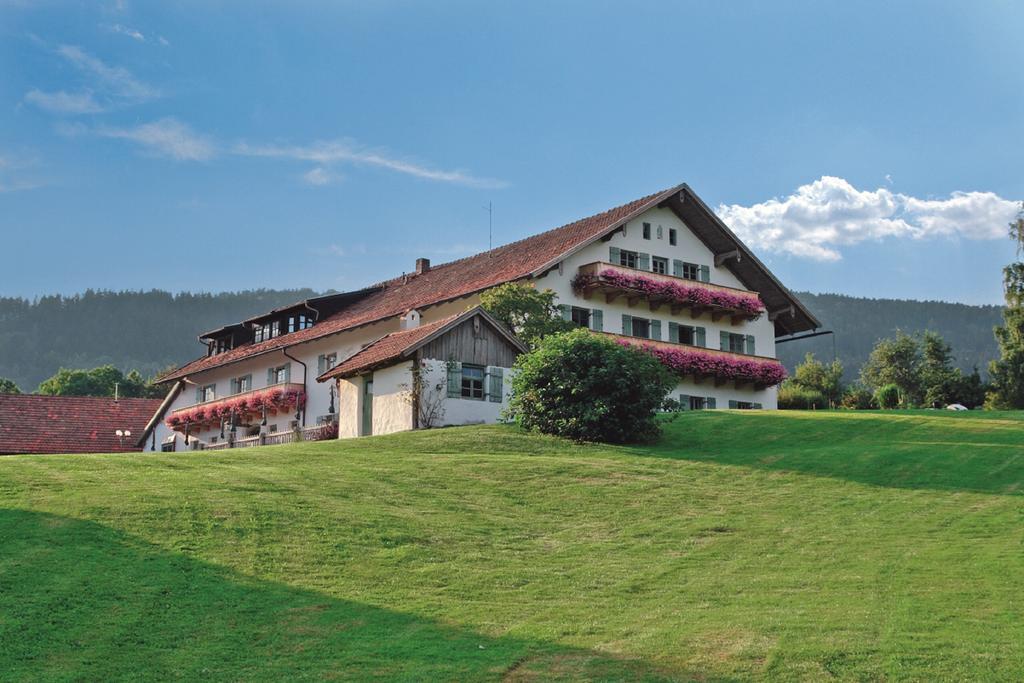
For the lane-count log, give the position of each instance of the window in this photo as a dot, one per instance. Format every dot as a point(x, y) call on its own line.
point(275, 329)
point(659, 265)
point(737, 343)
point(220, 345)
point(330, 360)
point(167, 447)
point(686, 334)
point(473, 382)
point(240, 384)
point(698, 403)
point(298, 322)
point(580, 316)
point(208, 393)
point(691, 271)
point(213, 440)
point(641, 328)
point(672, 236)
point(660, 232)
point(278, 375)
point(628, 258)
point(647, 231)
point(743, 405)
point(272, 429)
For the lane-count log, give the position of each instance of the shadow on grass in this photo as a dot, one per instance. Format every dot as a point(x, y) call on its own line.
point(912, 450)
point(79, 601)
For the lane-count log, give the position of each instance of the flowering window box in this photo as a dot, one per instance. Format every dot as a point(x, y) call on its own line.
point(701, 364)
point(246, 407)
point(666, 290)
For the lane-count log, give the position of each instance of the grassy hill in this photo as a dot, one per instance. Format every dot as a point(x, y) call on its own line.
point(743, 545)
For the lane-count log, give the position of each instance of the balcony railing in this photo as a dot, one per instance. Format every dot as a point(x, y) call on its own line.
point(276, 398)
point(703, 364)
point(614, 282)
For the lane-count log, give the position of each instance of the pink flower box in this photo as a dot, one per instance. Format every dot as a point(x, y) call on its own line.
point(692, 361)
point(747, 305)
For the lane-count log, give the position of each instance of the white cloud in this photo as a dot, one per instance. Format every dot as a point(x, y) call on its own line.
point(123, 30)
point(165, 137)
point(62, 102)
point(820, 218)
point(116, 80)
point(320, 176)
point(12, 174)
point(345, 151)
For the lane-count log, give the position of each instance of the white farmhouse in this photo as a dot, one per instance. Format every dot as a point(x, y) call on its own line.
point(662, 272)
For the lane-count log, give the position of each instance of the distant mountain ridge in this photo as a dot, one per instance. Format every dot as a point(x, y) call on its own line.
point(859, 322)
point(149, 331)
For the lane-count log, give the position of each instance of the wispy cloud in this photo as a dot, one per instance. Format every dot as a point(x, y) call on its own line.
point(62, 102)
point(14, 174)
point(328, 153)
point(166, 137)
point(128, 31)
point(116, 80)
point(321, 176)
point(820, 218)
point(106, 87)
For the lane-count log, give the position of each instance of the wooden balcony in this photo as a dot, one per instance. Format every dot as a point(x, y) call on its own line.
point(224, 400)
point(591, 282)
point(699, 378)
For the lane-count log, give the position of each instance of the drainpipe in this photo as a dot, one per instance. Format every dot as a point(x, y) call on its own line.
point(304, 373)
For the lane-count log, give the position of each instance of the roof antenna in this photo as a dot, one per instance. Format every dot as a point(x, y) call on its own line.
point(490, 225)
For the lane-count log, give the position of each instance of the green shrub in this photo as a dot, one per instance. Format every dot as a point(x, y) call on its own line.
point(792, 396)
point(887, 396)
point(858, 398)
point(586, 387)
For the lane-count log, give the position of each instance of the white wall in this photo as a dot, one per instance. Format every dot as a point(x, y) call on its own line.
point(392, 399)
point(688, 248)
point(464, 411)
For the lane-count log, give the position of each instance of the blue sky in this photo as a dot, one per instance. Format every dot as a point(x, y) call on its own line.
point(869, 149)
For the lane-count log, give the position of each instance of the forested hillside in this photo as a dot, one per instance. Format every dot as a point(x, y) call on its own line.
point(859, 323)
point(150, 330)
point(146, 331)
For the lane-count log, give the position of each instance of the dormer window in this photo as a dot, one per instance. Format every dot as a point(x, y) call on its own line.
point(300, 321)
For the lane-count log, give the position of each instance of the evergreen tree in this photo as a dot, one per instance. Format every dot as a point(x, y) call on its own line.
point(1008, 372)
point(8, 386)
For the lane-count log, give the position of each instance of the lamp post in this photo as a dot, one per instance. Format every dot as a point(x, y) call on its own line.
point(122, 434)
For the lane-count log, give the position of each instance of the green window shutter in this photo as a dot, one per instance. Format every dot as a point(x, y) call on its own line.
point(733, 405)
point(321, 364)
point(710, 402)
point(660, 233)
point(677, 267)
point(684, 402)
point(496, 385)
point(566, 311)
point(724, 338)
point(750, 345)
point(596, 320)
point(247, 382)
point(288, 373)
point(705, 274)
point(643, 261)
point(270, 376)
point(614, 256)
point(656, 330)
point(454, 380)
point(673, 332)
point(755, 406)
point(627, 325)
point(199, 394)
point(700, 337)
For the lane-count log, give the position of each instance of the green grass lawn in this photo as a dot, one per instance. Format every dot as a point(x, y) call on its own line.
point(783, 546)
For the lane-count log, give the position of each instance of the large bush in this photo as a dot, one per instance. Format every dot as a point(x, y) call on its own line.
point(584, 386)
point(857, 397)
point(793, 396)
point(887, 396)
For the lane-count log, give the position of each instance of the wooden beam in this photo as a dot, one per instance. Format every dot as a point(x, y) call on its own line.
point(632, 301)
point(587, 293)
point(716, 316)
point(737, 319)
point(610, 297)
point(719, 381)
point(725, 256)
point(695, 312)
point(698, 379)
point(653, 304)
point(676, 308)
point(791, 309)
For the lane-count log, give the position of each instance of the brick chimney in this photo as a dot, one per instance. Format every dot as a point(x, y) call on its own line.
point(422, 265)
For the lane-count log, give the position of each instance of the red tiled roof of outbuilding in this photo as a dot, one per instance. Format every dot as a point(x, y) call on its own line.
point(30, 423)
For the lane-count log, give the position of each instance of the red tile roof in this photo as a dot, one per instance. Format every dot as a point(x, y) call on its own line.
point(442, 282)
point(71, 424)
point(387, 348)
